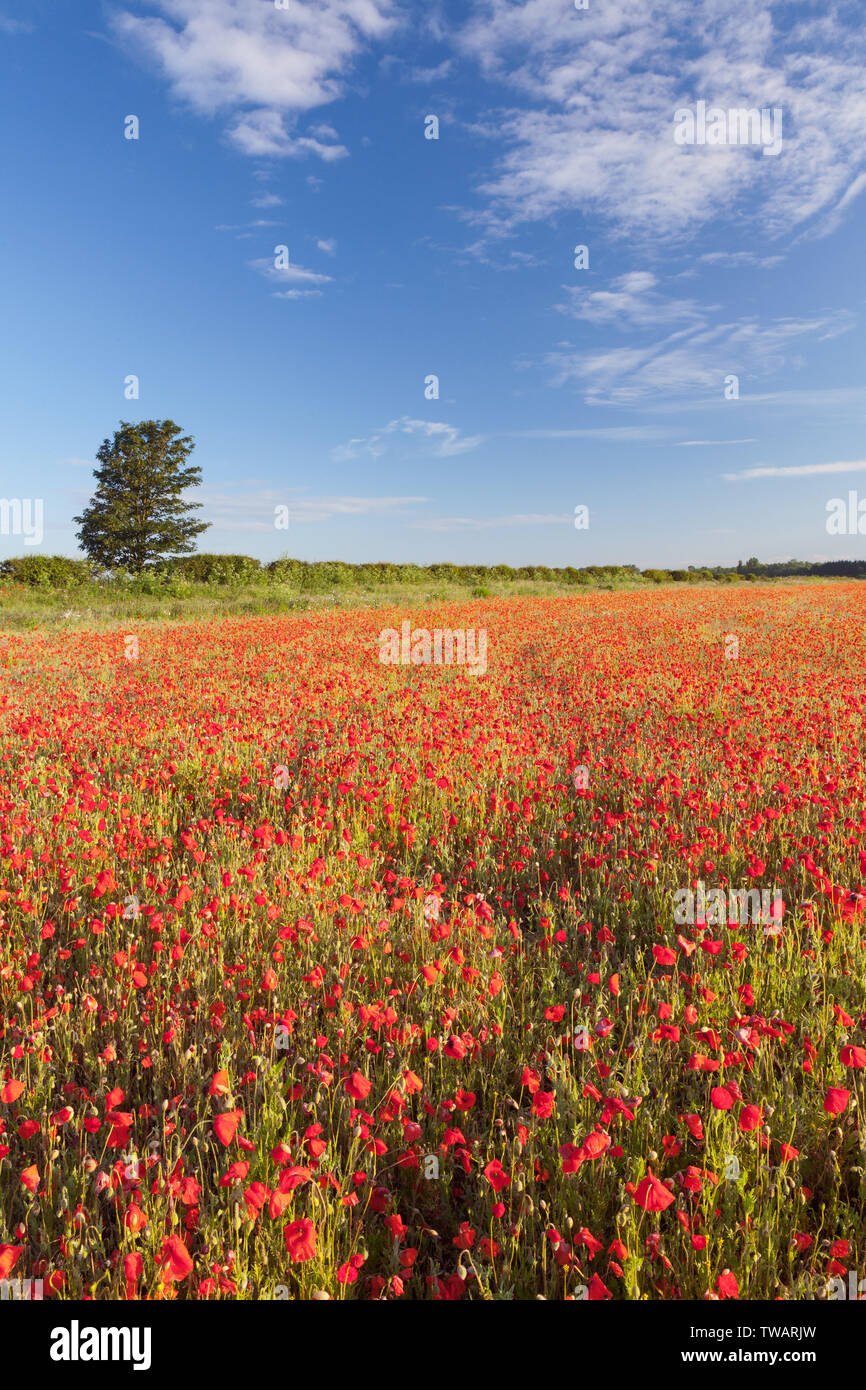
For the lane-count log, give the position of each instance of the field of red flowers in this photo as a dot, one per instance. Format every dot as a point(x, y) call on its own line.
point(323, 978)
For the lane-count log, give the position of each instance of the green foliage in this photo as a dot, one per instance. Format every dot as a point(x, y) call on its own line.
point(137, 515)
point(211, 569)
point(180, 574)
point(286, 571)
point(48, 571)
point(658, 576)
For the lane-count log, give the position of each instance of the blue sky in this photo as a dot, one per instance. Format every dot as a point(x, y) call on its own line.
point(558, 387)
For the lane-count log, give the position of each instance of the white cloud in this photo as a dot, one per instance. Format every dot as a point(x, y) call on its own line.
point(294, 281)
point(467, 523)
point(447, 439)
point(740, 258)
point(329, 246)
point(804, 470)
point(632, 300)
point(236, 54)
point(691, 360)
point(616, 434)
point(252, 508)
point(267, 200)
point(596, 90)
point(436, 74)
point(263, 133)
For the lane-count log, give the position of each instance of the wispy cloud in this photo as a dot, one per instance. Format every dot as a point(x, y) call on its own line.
point(250, 507)
point(468, 523)
point(615, 434)
point(692, 360)
point(632, 300)
point(267, 134)
point(594, 96)
point(446, 440)
point(14, 26)
point(740, 258)
point(294, 281)
point(804, 470)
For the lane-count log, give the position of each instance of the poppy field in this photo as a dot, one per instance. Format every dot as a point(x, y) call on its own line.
point(323, 978)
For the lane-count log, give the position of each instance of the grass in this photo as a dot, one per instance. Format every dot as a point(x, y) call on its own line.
point(100, 605)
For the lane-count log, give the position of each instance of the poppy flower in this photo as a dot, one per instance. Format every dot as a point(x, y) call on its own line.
point(293, 1176)
point(348, 1272)
point(652, 1195)
point(133, 1265)
point(751, 1116)
point(30, 1178)
point(664, 955)
point(134, 1219)
point(357, 1086)
point(543, 1104)
point(225, 1126)
point(175, 1261)
point(597, 1291)
point(496, 1175)
point(836, 1100)
point(300, 1240)
point(8, 1258)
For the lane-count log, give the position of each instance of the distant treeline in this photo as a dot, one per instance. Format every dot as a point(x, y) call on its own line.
point(59, 572)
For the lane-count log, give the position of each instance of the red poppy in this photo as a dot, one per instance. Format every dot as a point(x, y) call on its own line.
point(652, 1195)
point(8, 1258)
point(300, 1239)
point(225, 1126)
point(543, 1104)
point(348, 1272)
point(134, 1219)
point(836, 1100)
point(357, 1086)
point(751, 1116)
point(30, 1178)
point(174, 1259)
point(496, 1175)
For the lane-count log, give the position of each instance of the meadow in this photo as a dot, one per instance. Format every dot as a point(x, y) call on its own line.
point(327, 979)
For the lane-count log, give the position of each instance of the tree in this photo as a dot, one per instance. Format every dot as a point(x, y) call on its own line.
point(137, 514)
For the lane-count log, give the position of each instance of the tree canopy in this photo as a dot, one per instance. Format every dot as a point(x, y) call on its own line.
point(137, 514)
